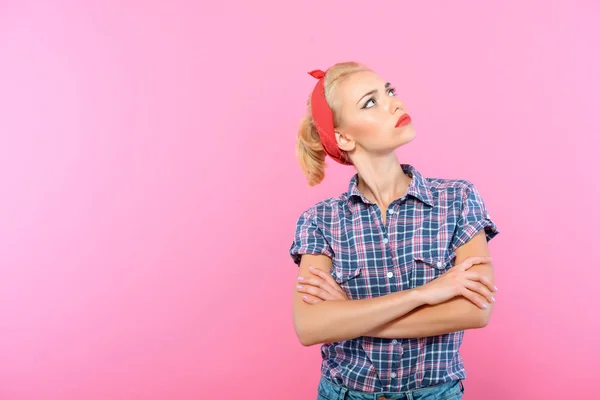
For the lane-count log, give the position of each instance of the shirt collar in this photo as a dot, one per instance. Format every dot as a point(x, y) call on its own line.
point(418, 187)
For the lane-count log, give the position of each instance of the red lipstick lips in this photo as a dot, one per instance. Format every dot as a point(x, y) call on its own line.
point(404, 120)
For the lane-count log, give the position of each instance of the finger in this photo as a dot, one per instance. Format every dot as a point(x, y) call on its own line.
point(310, 299)
point(488, 283)
point(481, 289)
point(469, 262)
point(473, 298)
point(316, 292)
point(328, 278)
point(319, 283)
point(328, 283)
point(476, 276)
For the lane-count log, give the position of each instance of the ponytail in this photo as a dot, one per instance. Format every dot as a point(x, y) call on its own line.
point(310, 151)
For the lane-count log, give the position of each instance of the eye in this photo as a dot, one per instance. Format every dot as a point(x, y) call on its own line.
point(370, 101)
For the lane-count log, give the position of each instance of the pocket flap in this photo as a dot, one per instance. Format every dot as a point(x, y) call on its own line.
point(434, 262)
point(341, 275)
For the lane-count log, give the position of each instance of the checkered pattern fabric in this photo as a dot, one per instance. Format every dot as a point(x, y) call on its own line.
point(423, 229)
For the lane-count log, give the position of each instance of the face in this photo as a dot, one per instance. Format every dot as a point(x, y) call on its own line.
point(372, 119)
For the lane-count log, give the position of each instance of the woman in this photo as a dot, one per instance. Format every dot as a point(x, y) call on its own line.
point(394, 270)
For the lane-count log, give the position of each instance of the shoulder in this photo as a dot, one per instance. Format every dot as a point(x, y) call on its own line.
point(325, 209)
point(450, 184)
point(314, 226)
point(451, 189)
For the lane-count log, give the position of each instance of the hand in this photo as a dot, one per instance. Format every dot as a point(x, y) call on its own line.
point(320, 286)
point(459, 281)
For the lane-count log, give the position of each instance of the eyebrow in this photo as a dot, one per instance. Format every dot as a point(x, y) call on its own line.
point(372, 92)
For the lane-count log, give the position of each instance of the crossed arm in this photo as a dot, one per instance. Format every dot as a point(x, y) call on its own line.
point(453, 315)
point(403, 314)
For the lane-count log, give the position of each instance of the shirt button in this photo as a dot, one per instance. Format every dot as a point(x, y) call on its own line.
point(390, 274)
point(393, 374)
point(394, 341)
point(385, 240)
point(391, 211)
point(439, 264)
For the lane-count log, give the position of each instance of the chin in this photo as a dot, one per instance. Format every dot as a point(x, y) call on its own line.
point(407, 134)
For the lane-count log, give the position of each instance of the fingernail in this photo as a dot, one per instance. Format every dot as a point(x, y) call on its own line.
point(495, 288)
point(493, 299)
point(299, 287)
point(300, 278)
point(484, 305)
point(305, 297)
point(311, 267)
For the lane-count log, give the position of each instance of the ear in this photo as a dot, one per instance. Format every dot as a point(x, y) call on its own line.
point(344, 142)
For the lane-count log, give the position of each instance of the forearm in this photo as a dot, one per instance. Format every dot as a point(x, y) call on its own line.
point(336, 320)
point(454, 315)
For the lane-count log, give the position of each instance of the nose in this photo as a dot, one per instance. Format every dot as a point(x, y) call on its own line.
point(395, 105)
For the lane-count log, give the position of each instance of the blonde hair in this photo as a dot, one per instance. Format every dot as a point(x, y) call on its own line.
point(309, 149)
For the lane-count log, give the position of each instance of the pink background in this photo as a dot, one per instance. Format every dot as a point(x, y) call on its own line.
point(150, 187)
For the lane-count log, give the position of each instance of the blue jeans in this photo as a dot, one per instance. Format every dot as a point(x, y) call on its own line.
point(445, 391)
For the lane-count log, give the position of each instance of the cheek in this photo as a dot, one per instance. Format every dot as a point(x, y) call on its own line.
point(367, 127)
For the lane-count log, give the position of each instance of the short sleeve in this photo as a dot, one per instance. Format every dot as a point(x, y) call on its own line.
point(473, 218)
point(308, 239)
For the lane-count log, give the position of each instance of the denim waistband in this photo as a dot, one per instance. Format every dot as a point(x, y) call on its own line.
point(332, 391)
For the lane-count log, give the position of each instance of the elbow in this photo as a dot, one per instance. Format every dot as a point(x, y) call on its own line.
point(483, 321)
point(306, 339)
point(483, 317)
point(305, 335)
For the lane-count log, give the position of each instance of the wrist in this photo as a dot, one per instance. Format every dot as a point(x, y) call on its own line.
point(419, 296)
point(416, 297)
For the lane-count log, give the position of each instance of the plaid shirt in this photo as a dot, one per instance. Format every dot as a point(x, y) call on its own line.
point(417, 244)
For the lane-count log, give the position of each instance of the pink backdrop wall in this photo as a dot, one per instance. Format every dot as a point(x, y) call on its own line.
point(150, 190)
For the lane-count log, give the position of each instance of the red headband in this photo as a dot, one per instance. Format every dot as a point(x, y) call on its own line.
point(323, 118)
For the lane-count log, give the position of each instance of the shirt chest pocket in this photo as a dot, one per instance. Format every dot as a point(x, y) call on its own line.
point(350, 280)
point(427, 266)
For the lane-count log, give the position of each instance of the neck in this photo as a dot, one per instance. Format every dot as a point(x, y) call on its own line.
point(382, 180)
